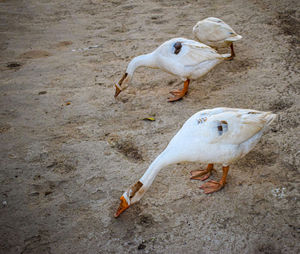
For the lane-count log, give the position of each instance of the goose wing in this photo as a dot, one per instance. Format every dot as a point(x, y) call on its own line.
point(232, 126)
point(213, 29)
point(187, 53)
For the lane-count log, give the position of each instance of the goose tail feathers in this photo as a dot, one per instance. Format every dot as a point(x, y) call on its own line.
point(270, 118)
point(226, 56)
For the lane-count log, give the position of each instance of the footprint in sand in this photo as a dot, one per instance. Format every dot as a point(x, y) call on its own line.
point(33, 54)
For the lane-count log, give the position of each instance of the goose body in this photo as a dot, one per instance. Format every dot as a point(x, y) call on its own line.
point(184, 58)
point(220, 135)
point(215, 33)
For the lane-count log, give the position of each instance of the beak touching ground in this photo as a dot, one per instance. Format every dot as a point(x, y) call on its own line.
point(122, 207)
point(119, 84)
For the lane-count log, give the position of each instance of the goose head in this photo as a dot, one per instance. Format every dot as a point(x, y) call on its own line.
point(129, 197)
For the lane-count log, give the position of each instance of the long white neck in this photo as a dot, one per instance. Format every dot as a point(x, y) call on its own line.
point(163, 160)
point(147, 60)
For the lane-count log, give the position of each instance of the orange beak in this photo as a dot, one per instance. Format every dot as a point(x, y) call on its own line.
point(118, 85)
point(122, 207)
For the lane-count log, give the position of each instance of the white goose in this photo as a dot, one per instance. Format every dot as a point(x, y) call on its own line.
point(220, 135)
point(185, 58)
point(215, 33)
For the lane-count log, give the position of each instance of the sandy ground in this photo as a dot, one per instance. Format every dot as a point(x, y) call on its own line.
point(69, 149)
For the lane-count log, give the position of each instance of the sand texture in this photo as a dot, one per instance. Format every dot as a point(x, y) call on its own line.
point(69, 149)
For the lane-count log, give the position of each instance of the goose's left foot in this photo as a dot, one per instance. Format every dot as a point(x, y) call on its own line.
point(176, 98)
point(180, 93)
point(232, 52)
point(202, 174)
point(177, 92)
point(213, 186)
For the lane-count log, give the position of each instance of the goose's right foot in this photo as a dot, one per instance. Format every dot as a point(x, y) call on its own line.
point(180, 93)
point(213, 186)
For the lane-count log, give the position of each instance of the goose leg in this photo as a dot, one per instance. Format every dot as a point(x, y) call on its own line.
point(232, 51)
point(202, 174)
point(180, 93)
point(213, 186)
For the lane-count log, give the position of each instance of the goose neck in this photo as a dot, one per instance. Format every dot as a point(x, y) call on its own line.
point(139, 61)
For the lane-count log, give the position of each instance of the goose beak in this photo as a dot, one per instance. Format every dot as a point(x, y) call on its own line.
point(118, 89)
point(122, 207)
point(118, 85)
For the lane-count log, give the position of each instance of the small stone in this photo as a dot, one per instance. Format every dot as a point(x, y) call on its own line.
point(48, 193)
point(34, 194)
point(13, 65)
point(141, 246)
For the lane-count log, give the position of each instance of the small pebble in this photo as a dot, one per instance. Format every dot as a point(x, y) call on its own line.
point(48, 193)
point(13, 65)
point(141, 246)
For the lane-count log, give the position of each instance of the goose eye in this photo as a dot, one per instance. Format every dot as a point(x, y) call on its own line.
point(231, 33)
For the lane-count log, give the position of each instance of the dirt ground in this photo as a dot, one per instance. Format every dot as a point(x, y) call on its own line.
point(69, 149)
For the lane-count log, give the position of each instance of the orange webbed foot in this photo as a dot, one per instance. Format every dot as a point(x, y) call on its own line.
point(211, 186)
point(176, 92)
point(202, 174)
point(180, 93)
point(176, 98)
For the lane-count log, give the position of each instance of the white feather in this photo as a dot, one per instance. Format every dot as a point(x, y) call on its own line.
point(193, 60)
point(215, 32)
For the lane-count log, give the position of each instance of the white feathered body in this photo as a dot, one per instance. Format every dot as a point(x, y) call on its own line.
point(215, 33)
point(200, 138)
point(193, 60)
